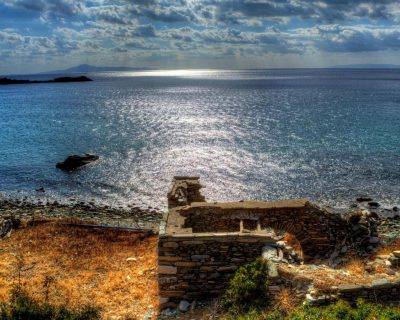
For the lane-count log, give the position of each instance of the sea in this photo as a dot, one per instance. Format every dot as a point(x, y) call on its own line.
point(329, 135)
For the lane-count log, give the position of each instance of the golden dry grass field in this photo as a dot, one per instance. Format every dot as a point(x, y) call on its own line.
point(74, 266)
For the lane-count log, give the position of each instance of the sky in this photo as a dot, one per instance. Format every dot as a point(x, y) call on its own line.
point(42, 35)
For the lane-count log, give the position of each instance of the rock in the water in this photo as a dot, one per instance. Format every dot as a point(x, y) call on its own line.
point(363, 199)
point(184, 306)
point(75, 161)
point(41, 189)
point(373, 204)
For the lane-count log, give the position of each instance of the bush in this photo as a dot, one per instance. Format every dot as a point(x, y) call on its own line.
point(340, 310)
point(248, 288)
point(343, 311)
point(22, 307)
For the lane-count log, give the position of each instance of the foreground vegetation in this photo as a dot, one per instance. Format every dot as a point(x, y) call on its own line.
point(21, 306)
point(246, 298)
point(339, 311)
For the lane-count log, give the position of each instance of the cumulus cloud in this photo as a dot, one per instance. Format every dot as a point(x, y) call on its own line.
point(53, 8)
point(357, 39)
point(248, 29)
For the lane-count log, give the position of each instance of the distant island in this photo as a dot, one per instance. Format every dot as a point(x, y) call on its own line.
point(85, 68)
point(5, 81)
point(367, 66)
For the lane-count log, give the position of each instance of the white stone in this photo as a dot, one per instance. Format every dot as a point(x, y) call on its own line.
point(184, 306)
point(131, 259)
point(169, 312)
point(149, 314)
point(281, 244)
point(269, 253)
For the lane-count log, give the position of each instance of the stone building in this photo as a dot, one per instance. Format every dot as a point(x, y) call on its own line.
point(202, 243)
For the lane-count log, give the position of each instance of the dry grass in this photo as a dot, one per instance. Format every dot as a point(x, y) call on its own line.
point(286, 301)
point(355, 266)
point(388, 249)
point(74, 266)
point(324, 278)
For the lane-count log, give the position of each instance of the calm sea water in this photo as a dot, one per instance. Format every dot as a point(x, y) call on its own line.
point(329, 135)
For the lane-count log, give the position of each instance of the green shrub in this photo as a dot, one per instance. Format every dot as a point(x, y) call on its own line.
point(248, 288)
point(340, 310)
point(22, 307)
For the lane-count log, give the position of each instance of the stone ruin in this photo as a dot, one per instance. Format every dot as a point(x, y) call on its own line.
point(201, 244)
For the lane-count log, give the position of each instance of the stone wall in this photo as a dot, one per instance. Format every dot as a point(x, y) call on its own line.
point(317, 230)
point(201, 243)
point(383, 291)
point(199, 266)
point(184, 191)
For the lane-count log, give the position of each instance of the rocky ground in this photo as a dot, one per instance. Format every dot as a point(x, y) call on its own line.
point(130, 217)
point(380, 263)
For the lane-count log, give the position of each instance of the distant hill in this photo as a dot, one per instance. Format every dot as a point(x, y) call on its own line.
point(367, 66)
point(85, 68)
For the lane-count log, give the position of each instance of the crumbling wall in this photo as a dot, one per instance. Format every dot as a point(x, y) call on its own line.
point(202, 243)
point(317, 230)
point(184, 191)
point(200, 266)
point(383, 291)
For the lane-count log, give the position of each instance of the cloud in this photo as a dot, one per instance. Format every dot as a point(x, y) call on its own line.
point(357, 39)
point(197, 29)
point(227, 11)
point(51, 8)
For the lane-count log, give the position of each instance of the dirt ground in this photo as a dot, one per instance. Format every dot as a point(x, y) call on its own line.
point(74, 266)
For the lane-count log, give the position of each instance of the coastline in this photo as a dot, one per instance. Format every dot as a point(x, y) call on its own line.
point(130, 217)
point(119, 251)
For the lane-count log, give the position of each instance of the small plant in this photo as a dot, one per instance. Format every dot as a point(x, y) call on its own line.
point(248, 289)
point(340, 310)
point(21, 307)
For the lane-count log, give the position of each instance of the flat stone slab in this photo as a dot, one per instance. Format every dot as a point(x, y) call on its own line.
point(295, 203)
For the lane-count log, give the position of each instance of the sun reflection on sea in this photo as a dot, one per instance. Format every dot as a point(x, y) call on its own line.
point(183, 73)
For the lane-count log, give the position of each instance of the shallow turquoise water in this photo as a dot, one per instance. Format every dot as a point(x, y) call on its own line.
point(328, 135)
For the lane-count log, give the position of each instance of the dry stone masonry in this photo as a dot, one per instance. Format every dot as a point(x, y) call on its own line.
point(201, 244)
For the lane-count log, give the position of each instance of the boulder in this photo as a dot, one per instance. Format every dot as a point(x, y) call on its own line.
point(363, 199)
point(75, 161)
point(6, 226)
point(373, 204)
point(270, 253)
point(184, 306)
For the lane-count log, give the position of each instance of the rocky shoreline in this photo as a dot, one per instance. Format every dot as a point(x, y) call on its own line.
point(130, 217)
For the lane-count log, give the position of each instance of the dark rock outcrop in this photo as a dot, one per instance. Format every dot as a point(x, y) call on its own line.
point(5, 81)
point(7, 225)
point(75, 161)
point(71, 79)
point(363, 199)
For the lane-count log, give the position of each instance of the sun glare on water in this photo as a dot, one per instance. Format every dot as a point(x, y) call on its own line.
point(173, 73)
